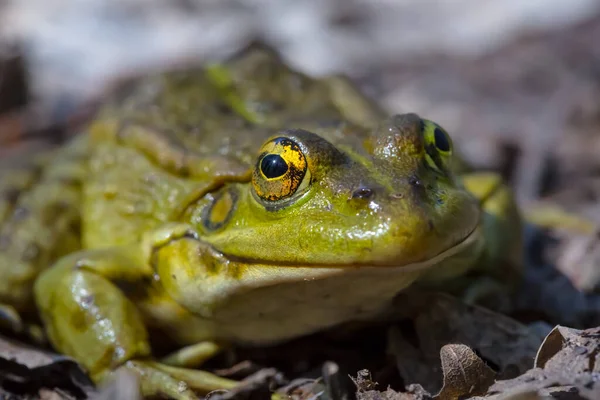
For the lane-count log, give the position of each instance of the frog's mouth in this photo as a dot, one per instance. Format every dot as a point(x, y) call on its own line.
point(463, 245)
point(470, 240)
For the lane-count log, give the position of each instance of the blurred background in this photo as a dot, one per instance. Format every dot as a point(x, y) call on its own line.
point(517, 83)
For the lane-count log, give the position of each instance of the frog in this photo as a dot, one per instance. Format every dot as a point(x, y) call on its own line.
point(238, 203)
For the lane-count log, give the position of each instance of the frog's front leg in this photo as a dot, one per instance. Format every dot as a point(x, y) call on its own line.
point(498, 269)
point(88, 317)
point(492, 269)
point(501, 223)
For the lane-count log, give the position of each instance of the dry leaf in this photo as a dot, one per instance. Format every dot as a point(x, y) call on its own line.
point(465, 374)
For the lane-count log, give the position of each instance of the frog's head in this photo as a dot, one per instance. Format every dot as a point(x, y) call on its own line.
point(309, 202)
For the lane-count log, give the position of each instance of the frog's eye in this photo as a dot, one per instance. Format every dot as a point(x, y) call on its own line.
point(281, 170)
point(438, 146)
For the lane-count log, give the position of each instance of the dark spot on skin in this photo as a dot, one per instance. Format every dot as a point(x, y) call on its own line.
point(11, 195)
point(107, 360)
point(223, 109)
point(20, 213)
point(268, 106)
point(362, 193)
point(414, 181)
point(441, 140)
point(63, 181)
point(53, 212)
point(184, 170)
point(62, 206)
point(174, 277)
point(211, 266)
point(329, 123)
point(31, 253)
point(246, 124)
point(78, 320)
point(4, 242)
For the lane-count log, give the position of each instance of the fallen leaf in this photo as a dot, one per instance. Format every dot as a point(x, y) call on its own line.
point(439, 319)
point(465, 374)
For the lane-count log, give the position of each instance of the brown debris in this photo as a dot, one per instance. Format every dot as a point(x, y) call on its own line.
point(565, 367)
point(440, 319)
point(257, 386)
point(27, 372)
point(365, 390)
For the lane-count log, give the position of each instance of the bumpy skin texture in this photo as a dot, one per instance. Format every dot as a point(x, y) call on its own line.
point(243, 203)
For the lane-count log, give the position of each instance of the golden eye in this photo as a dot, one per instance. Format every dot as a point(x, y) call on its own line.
point(438, 146)
point(281, 170)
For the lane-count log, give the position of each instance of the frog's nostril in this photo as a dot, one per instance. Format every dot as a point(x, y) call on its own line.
point(362, 193)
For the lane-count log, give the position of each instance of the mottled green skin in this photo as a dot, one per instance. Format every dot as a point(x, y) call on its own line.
point(122, 212)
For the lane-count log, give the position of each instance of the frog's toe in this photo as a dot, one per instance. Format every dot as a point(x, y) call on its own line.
point(489, 293)
point(194, 355)
point(158, 379)
point(554, 217)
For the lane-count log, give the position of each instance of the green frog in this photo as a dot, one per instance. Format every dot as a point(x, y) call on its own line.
point(243, 203)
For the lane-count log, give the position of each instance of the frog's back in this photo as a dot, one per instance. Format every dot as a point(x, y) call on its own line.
point(229, 109)
point(40, 198)
point(177, 135)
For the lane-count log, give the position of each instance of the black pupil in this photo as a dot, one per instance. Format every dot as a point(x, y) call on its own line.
point(441, 140)
point(273, 166)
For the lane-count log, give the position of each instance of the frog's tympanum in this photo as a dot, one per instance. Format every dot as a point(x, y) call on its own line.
point(243, 203)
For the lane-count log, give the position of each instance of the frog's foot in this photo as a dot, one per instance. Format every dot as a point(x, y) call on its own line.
point(554, 217)
point(490, 293)
point(157, 379)
point(193, 356)
point(90, 319)
point(10, 321)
